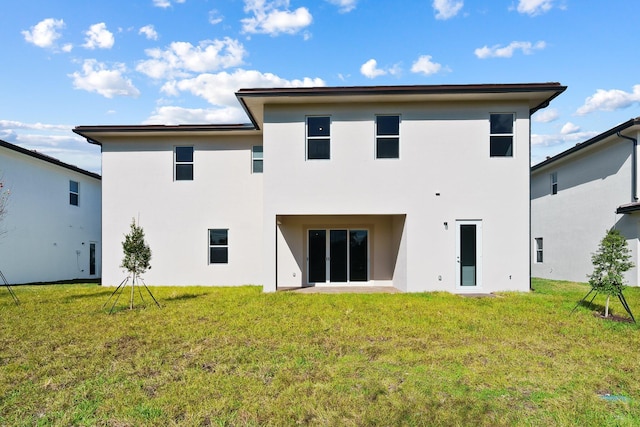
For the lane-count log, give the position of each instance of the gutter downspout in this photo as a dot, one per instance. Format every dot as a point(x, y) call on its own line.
point(634, 167)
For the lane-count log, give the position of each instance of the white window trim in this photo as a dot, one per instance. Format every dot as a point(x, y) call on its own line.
point(209, 246)
point(307, 137)
point(77, 193)
point(176, 162)
point(538, 248)
point(254, 159)
point(554, 183)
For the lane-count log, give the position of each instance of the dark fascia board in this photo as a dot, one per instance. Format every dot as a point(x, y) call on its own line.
point(87, 131)
point(628, 208)
point(555, 87)
point(587, 143)
point(49, 159)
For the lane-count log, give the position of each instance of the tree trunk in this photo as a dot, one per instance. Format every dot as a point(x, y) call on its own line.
point(133, 285)
point(606, 307)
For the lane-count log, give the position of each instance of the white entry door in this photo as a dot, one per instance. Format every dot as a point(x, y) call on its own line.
point(469, 253)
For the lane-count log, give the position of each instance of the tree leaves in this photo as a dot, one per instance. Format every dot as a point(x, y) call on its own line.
point(137, 254)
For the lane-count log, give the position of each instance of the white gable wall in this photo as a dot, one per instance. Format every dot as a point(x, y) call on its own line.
point(46, 239)
point(444, 149)
point(176, 215)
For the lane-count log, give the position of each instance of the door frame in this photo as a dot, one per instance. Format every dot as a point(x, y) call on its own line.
point(478, 285)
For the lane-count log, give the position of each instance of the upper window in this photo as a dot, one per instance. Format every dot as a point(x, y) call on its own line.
point(256, 159)
point(501, 137)
point(387, 137)
point(318, 137)
point(74, 192)
point(218, 246)
point(554, 183)
point(539, 254)
point(183, 161)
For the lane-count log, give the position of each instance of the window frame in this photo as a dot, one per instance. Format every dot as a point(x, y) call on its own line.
point(493, 136)
point(554, 183)
point(74, 193)
point(310, 138)
point(382, 136)
point(177, 162)
point(255, 159)
point(539, 250)
point(224, 245)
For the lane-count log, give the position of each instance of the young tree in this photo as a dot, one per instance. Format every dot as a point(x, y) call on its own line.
point(610, 262)
point(137, 255)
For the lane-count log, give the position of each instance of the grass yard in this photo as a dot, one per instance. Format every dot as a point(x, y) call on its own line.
point(236, 356)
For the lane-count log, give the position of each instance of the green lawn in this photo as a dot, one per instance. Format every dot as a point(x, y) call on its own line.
point(236, 356)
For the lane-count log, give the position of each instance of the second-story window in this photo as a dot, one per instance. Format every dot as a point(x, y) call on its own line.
point(183, 162)
point(554, 183)
point(318, 138)
point(256, 159)
point(74, 193)
point(387, 137)
point(501, 137)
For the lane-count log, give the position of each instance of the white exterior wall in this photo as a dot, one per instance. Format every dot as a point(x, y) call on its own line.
point(444, 148)
point(44, 238)
point(592, 183)
point(176, 215)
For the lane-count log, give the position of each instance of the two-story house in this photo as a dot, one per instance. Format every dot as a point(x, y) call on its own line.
point(417, 187)
point(51, 230)
point(579, 194)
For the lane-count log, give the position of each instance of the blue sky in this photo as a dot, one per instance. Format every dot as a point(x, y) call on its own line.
point(81, 62)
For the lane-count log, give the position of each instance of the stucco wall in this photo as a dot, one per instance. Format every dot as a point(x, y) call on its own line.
point(44, 238)
point(444, 174)
point(176, 215)
point(591, 185)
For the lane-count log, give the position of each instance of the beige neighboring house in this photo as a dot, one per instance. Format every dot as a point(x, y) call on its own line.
point(579, 194)
point(422, 188)
point(51, 231)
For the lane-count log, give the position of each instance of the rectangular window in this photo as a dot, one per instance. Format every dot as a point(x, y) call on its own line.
point(218, 246)
point(501, 135)
point(539, 255)
point(554, 183)
point(256, 159)
point(74, 193)
point(387, 137)
point(183, 161)
point(318, 138)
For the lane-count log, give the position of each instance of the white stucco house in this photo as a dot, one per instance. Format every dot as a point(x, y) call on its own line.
point(51, 231)
point(579, 194)
point(417, 187)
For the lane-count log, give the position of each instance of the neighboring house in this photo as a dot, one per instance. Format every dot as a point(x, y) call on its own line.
point(417, 187)
point(579, 194)
point(51, 231)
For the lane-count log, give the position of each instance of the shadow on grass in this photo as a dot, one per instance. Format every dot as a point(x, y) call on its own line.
point(184, 297)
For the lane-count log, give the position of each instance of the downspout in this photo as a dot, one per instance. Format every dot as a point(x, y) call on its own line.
point(634, 167)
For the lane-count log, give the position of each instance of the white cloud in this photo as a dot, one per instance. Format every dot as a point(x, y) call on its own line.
point(424, 65)
point(215, 17)
point(44, 33)
point(446, 9)
point(165, 3)
point(497, 51)
point(220, 88)
point(569, 139)
point(95, 77)
point(546, 116)
point(181, 59)
point(67, 47)
point(98, 37)
point(274, 18)
point(149, 32)
point(534, 7)
point(170, 115)
point(569, 128)
point(12, 124)
point(344, 5)
point(609, 100)
point(370, 69)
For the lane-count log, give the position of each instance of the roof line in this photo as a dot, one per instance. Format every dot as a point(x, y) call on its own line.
point(588, 143)
point(49, 159)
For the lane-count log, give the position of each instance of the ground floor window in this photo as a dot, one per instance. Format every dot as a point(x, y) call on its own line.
point(337, 255)
point(218, 246)
point(539, 252)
